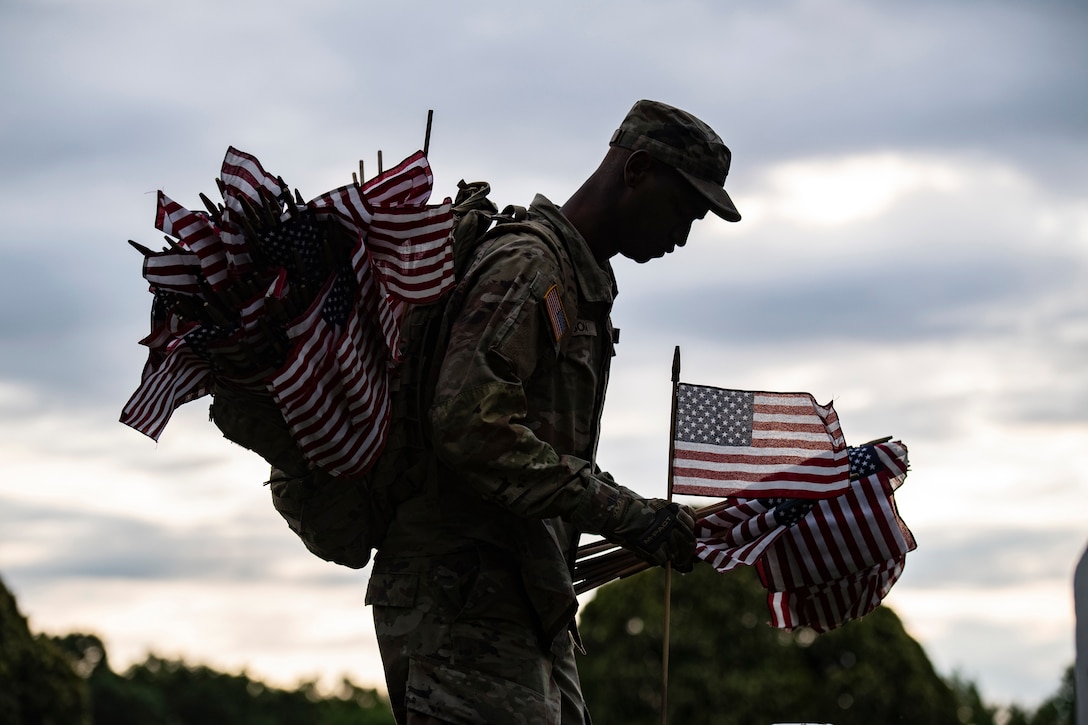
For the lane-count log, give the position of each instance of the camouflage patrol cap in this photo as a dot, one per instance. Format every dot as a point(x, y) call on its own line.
point(685, 143)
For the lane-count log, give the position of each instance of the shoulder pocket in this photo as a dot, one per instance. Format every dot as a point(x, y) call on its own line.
point(392, 589)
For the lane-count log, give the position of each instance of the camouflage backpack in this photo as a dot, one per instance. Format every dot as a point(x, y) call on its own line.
point(344, 519)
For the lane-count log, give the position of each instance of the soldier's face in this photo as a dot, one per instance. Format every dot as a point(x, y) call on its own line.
point(661, 216)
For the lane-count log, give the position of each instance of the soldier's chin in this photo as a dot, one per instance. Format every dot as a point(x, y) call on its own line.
point(643, 258)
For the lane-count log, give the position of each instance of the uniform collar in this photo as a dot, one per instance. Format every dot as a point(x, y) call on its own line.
point(596, 281)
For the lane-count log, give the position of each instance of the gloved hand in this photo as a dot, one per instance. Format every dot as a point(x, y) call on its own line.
point(658, 531)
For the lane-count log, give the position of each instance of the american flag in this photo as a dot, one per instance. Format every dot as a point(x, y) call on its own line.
point(334, 391)
point(407, 184)
point(756, 444)
point(243, 177)
point(331, 380)
point(739, 534)
point(173, 375)
point(822, 562)
point(198, 233)
point(410, 247)
point(173, 269)
point(404, 253)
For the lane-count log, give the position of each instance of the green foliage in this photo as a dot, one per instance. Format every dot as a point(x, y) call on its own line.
point(170, 692)
point(972, 710)
point(1061, 707)
point(37, 684)
point(113, 698)
point(727, 666)
point(1058, 709)
point(188, 693)
point(68, 681)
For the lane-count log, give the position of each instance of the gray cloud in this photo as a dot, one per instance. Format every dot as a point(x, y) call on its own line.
point(40, 299)
point(924, 75)
point(1011, 661)
point(860, 299)
point(992, 557)
point(80, 544)
point(784, 81)
point(1062, 405)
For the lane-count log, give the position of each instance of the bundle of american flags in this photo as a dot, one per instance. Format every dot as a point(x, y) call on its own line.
point(298, 300)
point(816, 518)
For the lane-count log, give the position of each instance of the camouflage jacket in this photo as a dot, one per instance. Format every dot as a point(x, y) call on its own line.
point(516, 417)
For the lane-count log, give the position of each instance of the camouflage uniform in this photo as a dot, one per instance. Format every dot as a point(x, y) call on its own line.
point(472, 593)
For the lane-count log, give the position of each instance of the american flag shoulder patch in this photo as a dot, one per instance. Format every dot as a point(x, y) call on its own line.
point(556, 313)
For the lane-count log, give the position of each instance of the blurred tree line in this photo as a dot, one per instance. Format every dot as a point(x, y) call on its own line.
point(68, 681)
point(726, 666)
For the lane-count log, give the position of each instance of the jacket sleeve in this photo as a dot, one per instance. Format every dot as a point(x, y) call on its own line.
point(480, 420)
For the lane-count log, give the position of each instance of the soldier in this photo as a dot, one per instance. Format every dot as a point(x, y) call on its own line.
point(471, 590)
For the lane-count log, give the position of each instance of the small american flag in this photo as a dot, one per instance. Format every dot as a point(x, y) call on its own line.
point(822, 562)
point(176, 270)
point(332, 369)
point(173, 375)
point(739, 534)
point(197, 233)
point(755, 445)
point(842, 559)
point(243, 177)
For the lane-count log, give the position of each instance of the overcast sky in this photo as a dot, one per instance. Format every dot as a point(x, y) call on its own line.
point(914, 247)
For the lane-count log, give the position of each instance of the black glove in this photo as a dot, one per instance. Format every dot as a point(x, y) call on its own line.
point(658, 531)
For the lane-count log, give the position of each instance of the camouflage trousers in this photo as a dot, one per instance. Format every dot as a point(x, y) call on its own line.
point(460, 645)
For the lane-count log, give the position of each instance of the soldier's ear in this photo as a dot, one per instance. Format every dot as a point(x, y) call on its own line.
point(636, 168)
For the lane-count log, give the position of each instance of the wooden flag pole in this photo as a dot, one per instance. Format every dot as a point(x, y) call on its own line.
point(427, 135)
point(668, 566)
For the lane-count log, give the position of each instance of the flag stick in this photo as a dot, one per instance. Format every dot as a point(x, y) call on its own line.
point(668, 566)
point(427, 136)
point(602, 562)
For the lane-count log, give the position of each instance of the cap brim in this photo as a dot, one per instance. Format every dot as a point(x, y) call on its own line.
point(719, 200)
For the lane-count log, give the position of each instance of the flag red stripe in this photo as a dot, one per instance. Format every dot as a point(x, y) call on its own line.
point(768, 453)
